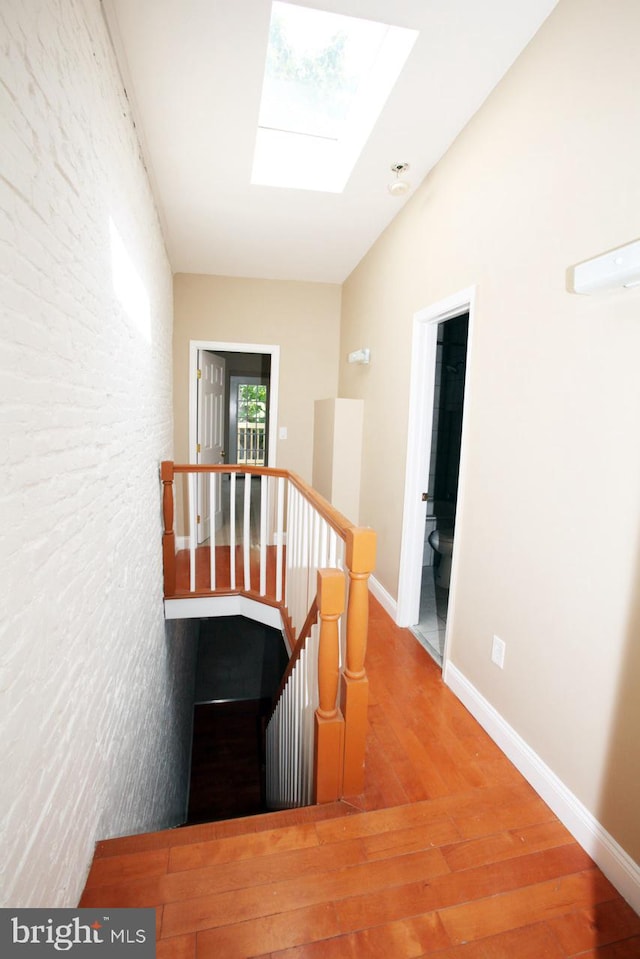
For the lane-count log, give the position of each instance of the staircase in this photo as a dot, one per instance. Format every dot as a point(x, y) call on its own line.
point(244, 887)
point(293, 562)
point(449, 854)
point(334, 882)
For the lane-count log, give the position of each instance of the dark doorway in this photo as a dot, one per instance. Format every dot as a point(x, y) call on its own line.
point(239, 668)
point(442, 494)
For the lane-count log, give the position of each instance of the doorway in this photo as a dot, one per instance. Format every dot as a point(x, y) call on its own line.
point(255, 364)
point(428, 490)
point(442, 485)
point(243, 359)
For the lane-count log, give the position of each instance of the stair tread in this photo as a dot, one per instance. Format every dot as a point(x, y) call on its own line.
point(385, 862)
point(205, 832)
point(330, 815)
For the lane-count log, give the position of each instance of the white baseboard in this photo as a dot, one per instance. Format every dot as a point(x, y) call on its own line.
point(619, 868)
point(385, 599)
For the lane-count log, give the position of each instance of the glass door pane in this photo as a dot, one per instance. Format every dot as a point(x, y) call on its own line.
point(252, 420)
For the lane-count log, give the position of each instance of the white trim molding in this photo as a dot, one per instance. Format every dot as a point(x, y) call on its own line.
point(233, 604)
point(419, 426)
point(619, 868)
point(218, 346)
point(385, 598)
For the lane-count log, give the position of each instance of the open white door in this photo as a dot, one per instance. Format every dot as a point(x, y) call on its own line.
point(210, 449)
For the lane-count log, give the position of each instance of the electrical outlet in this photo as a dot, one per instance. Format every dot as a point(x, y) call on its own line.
point(498, 648)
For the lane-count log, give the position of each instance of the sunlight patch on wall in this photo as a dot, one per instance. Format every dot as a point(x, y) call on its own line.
point(127, 285)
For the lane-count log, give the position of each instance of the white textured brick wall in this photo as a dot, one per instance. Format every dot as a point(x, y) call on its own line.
point(94, 704)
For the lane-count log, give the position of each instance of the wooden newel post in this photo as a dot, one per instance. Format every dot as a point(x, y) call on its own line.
point(329, 724)
point(168, 535)
point(354, 698)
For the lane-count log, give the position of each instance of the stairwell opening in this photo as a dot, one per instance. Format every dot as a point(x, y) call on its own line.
point(239, 666)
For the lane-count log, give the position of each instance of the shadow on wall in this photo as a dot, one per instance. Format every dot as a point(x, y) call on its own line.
point(181, 653)
point(238, 659)
point(619, 810)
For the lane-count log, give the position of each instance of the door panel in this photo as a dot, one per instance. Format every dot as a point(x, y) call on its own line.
point(211, 417)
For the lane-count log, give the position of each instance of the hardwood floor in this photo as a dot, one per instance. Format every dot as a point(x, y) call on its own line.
point(449, 854)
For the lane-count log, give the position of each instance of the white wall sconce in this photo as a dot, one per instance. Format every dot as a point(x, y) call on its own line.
point(360, 356)
point(618, 269)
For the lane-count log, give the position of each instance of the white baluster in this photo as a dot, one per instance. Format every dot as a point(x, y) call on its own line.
point(313, 693)
point(191, 489)
point(291, 546)
point(315, 539)
point(309, 580)
point(287, 749)
point(246, 533)
point(333, 548)
point(299, 749)
point(232, 529)
point(212, 529)
point(264, 501)
point(279, 538)
point(294, 586)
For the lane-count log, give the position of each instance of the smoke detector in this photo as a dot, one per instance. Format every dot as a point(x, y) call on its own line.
point(399, 187)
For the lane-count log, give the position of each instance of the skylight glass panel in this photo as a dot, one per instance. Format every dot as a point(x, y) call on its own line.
point(326, 80)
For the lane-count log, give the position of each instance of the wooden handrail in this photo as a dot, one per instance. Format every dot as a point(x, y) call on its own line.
point(168, 535)
point(334, 517)
point(341, 721)
point(328, 512)
point(229, 468)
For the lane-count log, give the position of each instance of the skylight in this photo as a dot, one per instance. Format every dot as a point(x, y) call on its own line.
point(326, 80)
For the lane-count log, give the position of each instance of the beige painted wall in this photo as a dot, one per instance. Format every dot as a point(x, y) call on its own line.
point(337, 453)
point(302, 318)
point(545, 175)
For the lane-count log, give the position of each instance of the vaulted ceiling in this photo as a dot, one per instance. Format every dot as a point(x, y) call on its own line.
point(193, 72)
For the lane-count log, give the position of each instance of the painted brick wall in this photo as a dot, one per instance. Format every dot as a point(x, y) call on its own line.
point(96, 696)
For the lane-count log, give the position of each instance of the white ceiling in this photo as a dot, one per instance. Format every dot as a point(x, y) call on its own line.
point(193, 72)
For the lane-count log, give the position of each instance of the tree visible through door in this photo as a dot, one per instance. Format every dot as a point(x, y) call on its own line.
point(251, 423)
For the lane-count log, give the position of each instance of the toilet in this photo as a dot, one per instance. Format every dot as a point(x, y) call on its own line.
point(441, 540)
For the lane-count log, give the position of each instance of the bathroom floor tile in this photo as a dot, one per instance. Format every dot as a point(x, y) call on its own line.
point(432, 641)
point(430, 630)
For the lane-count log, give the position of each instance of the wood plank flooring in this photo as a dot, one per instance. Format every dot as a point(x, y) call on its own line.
point(223, 572)
point(449, 854)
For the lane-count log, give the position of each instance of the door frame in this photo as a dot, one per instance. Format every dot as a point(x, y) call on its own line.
point(217, 346)
point(419, 431)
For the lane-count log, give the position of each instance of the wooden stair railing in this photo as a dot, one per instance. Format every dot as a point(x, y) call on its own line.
point(168, 534)
point(327, 745)
point(354, 693)
point(329, 721)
